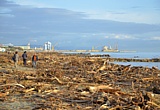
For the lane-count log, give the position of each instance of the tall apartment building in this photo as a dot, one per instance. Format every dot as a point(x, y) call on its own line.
point(47, 46)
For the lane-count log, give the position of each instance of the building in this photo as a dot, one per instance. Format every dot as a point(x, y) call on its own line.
point(48, 46)
point(7, 45)
point(2, 49)
point(109, 49)
point(27, 47)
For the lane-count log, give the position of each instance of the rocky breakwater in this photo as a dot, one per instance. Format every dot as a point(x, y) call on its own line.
point(135, 60)
point(64, 82)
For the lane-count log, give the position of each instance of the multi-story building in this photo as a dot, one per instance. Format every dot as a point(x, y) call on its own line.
point(26, 47)
point(48, 46)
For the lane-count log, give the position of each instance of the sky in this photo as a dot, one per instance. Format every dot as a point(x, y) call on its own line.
point(82, 24)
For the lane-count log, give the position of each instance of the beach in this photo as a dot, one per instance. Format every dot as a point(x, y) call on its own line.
point(70, 82)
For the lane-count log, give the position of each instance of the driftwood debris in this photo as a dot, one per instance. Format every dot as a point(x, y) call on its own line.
point(12, 84)
point(84, 82)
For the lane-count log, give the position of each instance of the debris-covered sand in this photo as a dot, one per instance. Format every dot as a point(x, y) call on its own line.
point(70, 82)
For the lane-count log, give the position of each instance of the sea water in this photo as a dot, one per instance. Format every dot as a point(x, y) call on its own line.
point(134, 55)
point(141, 55)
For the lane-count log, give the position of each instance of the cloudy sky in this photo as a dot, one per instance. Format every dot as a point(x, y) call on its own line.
point(81, 24)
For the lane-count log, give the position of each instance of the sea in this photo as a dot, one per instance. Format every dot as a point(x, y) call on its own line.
point(133, 55)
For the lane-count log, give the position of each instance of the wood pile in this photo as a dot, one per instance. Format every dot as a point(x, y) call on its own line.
point(70, 82)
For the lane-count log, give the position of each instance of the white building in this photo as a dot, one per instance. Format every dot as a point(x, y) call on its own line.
point(2, 49)
point(6, 45)
point(27, 47)
point(48, 46)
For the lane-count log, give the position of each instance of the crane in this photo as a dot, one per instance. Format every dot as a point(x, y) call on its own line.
point(54, 45)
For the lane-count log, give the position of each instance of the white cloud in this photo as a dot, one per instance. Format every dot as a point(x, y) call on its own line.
point(126, 16)
point(119, 36)
point(33, 40)
point(106, 37)
point(155, 38)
